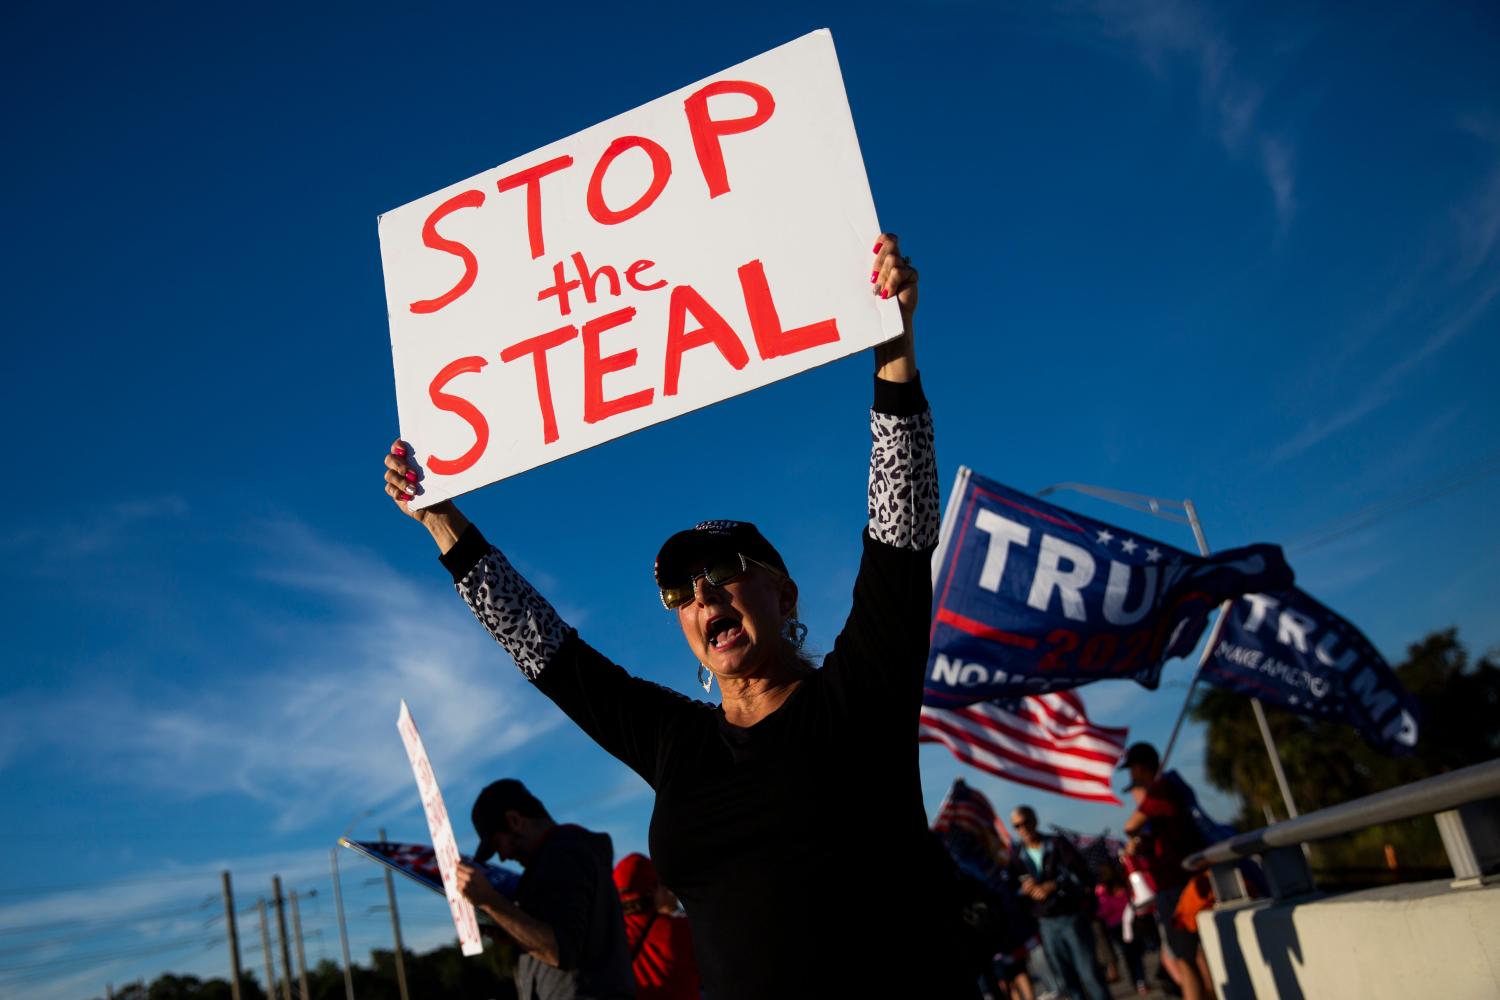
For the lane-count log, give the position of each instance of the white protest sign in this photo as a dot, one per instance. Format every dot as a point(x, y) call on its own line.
point(705, 244)
point(443, 844)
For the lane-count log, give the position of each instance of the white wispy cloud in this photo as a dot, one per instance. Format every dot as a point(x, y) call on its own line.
point(1169, 34)
point(87, 531)
point(1386, 386)
point(1448, 291)
point(310, 730)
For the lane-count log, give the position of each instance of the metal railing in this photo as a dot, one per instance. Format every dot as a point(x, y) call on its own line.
point(1465, 804)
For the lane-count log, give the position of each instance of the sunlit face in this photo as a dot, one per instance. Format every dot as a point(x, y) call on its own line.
point(736, 630)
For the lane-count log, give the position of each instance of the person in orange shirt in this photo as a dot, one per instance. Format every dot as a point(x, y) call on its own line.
point(660, 941)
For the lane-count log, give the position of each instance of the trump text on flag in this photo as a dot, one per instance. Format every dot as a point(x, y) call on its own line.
point(1030, 597)
point(707, 243)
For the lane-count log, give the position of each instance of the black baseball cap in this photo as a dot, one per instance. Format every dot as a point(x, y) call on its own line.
point(1143, 754)
point(491, 806)
point(712, 538)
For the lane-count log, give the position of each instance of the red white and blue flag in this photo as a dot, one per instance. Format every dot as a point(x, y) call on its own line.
point(1045, 741)
point(975, 837)
point(1030, 598)
point(418, 862)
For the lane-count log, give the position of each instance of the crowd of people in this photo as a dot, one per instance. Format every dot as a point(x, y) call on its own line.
point(753, 796)
point(1088, 917)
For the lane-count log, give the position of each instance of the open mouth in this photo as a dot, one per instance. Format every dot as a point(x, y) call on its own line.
point(724, 631)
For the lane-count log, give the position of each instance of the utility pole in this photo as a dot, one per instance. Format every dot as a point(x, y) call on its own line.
point(286, 951)
point(390, 894)
point(265, 950)
point(338, 905)
point(234, 938)
point(301, 955)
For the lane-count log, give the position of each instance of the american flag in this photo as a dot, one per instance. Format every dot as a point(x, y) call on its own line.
point(969, 827)
point(1045, 741)
point(419, 863)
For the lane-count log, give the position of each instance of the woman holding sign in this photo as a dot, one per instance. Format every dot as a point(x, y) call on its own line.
point(789, 818)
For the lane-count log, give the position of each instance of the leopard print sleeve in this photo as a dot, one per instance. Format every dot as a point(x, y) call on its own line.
point(513, 612)
point(903, 472)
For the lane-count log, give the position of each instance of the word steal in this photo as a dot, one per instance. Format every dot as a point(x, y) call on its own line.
point(700, 246)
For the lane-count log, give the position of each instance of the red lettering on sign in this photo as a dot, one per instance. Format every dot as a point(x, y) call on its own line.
point(637, 268)
point(538, 347)
point(468, 199)
point(591, 279)
point(532, 178)
point(595, 367)
point(706, 131)
point(560, 287)
point(770, 339)
point(463, 408)
point(712, 329)
point(661, 170)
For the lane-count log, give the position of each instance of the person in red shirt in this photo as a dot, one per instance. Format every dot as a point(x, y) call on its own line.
point(660, 941)
point(1163, 831)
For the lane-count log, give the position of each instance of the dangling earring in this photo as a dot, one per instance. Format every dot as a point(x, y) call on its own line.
point(705, 678)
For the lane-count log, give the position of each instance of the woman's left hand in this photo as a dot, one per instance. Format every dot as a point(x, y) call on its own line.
point(893, 275)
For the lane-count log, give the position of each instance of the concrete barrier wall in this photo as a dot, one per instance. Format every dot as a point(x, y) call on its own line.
point(1410, 942)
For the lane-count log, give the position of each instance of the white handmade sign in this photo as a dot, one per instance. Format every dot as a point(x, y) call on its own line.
point(443, 844)
point(705, 244)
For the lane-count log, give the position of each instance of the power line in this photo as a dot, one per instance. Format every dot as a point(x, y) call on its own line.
point(108, 918)
point(1434, 489)
point(167, 877)
point(77, 938)
point(97, 957)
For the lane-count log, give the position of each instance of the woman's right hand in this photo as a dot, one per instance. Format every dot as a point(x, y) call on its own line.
point(403, 479)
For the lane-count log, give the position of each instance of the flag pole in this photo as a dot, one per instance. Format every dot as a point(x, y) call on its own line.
point(1161, 508)
point(1255, 705)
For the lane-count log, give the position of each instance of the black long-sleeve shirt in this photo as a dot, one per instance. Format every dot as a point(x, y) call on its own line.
point(799, 846)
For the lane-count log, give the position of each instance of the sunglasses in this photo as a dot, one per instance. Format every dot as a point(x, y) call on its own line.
point(719, 571)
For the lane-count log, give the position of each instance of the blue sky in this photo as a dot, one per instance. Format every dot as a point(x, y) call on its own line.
point(1242, 254)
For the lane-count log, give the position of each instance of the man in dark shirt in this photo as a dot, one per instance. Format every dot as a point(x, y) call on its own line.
point(1164, 833)
point(566, 917)
point(1054, 876)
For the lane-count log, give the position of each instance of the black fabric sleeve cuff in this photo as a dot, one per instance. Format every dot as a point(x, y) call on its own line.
point(900, 399)
point(466, 553)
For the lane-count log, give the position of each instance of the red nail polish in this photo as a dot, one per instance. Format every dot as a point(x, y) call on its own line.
point(885, 293)
point(873, 276)
point(878, 245)
point(396, 449)
point(411, 477)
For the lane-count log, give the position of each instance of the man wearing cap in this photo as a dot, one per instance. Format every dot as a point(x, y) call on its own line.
point(566, 916)
point(661, 943)
point(1163, 832)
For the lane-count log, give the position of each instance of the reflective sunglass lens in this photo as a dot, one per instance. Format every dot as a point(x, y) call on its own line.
point(676, 597)
point(722, 572)
point(717, 573)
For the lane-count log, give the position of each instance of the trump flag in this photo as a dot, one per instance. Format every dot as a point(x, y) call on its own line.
point(1287, 649)
point(1030, 598)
